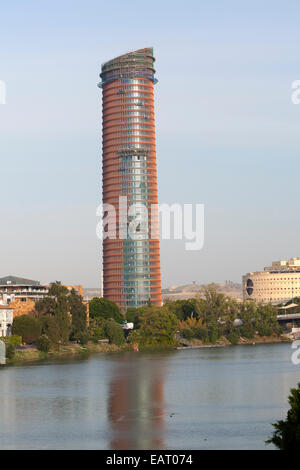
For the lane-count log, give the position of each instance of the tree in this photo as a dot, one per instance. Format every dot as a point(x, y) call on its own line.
point(95, 329)
point(183, 309)
point(104, 308)
point(114, 332)
point(28, 327)
point(157, 325)
point(287, 432)
point(78, 313)
point(57, 304)
point(51, 327)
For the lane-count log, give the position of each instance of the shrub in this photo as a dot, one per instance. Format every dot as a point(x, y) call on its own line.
point(213, 335)
point(10, 350)
point(83, 338)
point(247, 332)
point(15, 340)
point(43, 343)
point(233, 337)
point(187, 333)
point(264, 330)
point(29, 328)
point(200, 332)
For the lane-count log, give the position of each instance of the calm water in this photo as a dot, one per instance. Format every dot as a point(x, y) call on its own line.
point(217, 398)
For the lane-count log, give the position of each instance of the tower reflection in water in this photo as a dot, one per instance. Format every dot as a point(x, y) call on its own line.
point(136, 404)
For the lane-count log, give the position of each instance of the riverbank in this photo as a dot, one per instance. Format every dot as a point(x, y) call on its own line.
point(222, 342)
point(64, 351)
point(74, 350)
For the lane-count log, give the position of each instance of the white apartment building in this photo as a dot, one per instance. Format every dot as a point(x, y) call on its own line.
point(6, 320)
point(279, 282)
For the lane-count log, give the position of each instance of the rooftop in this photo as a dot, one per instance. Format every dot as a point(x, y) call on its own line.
point(17, 281)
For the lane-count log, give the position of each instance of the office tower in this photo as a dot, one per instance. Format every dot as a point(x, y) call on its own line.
point(131, 266)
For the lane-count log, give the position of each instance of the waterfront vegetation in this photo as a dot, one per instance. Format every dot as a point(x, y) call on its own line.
point(286, 434)
point(60, 324)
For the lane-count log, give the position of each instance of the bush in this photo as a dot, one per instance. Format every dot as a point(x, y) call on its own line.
point(213, 335)
point(43, 343)
point(15, 340)
point(200, 332)
point(10, 350)
point(233, 337)
point(248, 333)
point(29, 328)
point(83, 338)
point(264, 330)
point(187, 333)
point(114, 332)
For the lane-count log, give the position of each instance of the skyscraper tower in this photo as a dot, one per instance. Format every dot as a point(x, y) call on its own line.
point(131, 267)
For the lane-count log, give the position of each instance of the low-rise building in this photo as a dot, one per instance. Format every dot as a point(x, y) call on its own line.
point(13, 288)
point(277, 283)
point(6, 320)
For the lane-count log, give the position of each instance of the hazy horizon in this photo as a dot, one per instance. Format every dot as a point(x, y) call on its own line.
point(227, 132)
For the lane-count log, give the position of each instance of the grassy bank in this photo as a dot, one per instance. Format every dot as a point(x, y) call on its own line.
point(68, 350)
point(223, 341)
point(73, 350)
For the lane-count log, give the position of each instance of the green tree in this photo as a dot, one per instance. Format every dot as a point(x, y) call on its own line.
point(183, 309)
point(78, 314)
point(95, 329)
point(287, 432)
point(157, 325)
point(55, 302)
point(104, 308)
point(28, 327)
point(114, 332)
point(56, 305)
point(51, 328)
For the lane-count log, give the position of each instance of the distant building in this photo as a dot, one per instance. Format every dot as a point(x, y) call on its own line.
point(78, 289)
point(279, 282)
point(6, 320)
point(17, 288)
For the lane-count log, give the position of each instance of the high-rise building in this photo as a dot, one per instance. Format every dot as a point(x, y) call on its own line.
point(131, 267)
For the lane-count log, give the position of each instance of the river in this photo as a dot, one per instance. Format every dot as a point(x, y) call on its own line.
point(212, 398)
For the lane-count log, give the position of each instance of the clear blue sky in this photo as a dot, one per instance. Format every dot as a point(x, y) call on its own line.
point(227, 132)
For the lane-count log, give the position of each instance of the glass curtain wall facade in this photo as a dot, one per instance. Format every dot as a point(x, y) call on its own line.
point(131, 267)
